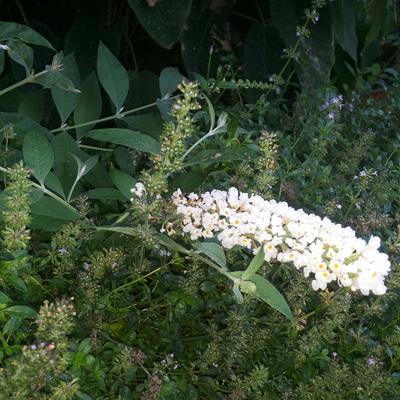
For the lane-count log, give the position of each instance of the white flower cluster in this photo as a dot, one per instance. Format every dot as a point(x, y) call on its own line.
point(317, 246)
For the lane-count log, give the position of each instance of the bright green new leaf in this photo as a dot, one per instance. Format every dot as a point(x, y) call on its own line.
point(38, 154)
point(212, 250)
point(255, 264)
point(113, 76)
point(268, 293)
point(126, 137)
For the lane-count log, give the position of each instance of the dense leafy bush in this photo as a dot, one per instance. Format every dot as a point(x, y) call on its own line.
point(103, 293)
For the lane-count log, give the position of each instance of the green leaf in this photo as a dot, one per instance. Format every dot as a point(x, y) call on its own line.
point(89, 104)
point(12, 30)
point(170, 78)
point(66, 98)
point(212, 250)
point(197, 39)
point(4, 299)
point(163, 21)
point(38, 154)
point(52, 182)
point(46, 223)
point(344, 25)
point(123, 182)
point(105, 194)
point(52, 208)
point(21, 311)
point(21, 54)
point(268, 293)
point(377, 17)
point(32, 106)
point(112, 76)
point(255, 264)
point(1, 61)
point(168, 242)
point(126, 137)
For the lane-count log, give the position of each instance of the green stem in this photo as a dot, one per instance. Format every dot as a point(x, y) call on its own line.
point(29, 79)
point(48, 192)
point(110, 118)
point(353, 201)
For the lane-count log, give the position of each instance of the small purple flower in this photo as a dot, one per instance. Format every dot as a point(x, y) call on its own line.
point(371, 361)
point(33, 347)
point(62, 251)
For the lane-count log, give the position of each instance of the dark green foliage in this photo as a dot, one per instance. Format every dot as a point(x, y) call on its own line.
point(297, 101)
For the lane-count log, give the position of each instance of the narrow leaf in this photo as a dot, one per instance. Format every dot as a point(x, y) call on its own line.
point(255, 264)
point(126, 137)
point(112, 75)
point(89, 104)
point(21, 311)
point(268, 293)
point(212, 250)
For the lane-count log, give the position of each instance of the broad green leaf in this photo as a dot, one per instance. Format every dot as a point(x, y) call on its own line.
point(32, 106)
point(52, 182)
point(20, 53)
point(52, 208)
point(38, 154)
point(105, 194)
point(123, 182)
point(12, 30)
point(377, 16)
point(151, 124)
point(126, 137)
point(46, 223)
point(66, 99)
point(188, 181)
point(164, 21)
point(112, 76)
point(212, 250)
point(197, 40)
point(344, 25)
point(89, 104)
point(21, 311)
point(255, 264)
point(4, 299)
point(170, 78)
point(65, 165)
point(268, 293)
point(12, 325)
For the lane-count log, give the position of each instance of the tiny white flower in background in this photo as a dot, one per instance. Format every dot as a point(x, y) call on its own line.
point(316, 246)
point(138, 190)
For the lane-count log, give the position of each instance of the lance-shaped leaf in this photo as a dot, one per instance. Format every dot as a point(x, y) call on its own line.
point(112, 76)
point(212, 250)
point(268, 293)
point(255, 264)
